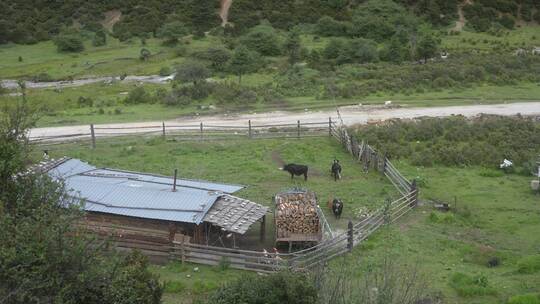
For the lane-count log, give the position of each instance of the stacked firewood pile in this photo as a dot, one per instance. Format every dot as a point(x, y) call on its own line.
point(296, 213)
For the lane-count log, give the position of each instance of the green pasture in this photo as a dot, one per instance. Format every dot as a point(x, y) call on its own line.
point(494, 216)
point(113, 59)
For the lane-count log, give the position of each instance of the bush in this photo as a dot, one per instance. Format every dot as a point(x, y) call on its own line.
point(234, 94)
point(42, 77)
point(85, 102)
point(138, 95)
point(282, 287)
point(100, 38)
point(467, 286)
point(69, 43)
point(165, 71)
point(262, 39)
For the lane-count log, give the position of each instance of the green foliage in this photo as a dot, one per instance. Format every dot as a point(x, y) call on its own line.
point(293, 47)
point(69, 43)
point(457, 141)
point(45, 257)
point(202, 15)
point(427, 47)
point(216, 56)
point(138, 95)
point(85, 102)
point(343, 51)
point(100, 38)
point(444, 218)
point(263, 39)
point(165, 71)
point(530, 298)
point(171, 32)
point(191, 71)
point(243, 61)
point(529, 264)
point(468, 286)
point(144, 54)
point(234, 94)
point(282, 287)
point(328, 26)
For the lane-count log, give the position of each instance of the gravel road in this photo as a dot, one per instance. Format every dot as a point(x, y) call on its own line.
point(351, 115)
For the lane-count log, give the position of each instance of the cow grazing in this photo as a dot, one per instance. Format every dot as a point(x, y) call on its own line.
point(336, 170)
point(294, 169)
point(337, 207)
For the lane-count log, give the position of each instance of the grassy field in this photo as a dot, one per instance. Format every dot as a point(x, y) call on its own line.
point(253, 163)
point(493, 217)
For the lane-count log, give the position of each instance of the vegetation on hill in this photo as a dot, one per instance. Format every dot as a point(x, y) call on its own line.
point(44, 255)
point(457, 141)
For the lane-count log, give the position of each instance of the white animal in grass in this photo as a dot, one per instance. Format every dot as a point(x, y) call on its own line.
point(506, 164)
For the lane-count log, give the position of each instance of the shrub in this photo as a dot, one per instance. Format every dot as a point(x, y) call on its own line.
point(137, 95)
point(42, 77)
point(69, 43)
point(234, 94)
point(262, 39)
point(165, 71)
point(85, 102)
point(282, 287)
point(100, 38)
point(467, 286)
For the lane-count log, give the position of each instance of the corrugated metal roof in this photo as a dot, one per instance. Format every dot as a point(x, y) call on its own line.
point(140, 195)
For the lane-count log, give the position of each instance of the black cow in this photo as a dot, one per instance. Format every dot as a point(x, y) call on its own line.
point(294, 169)
point(337, 207)
point(336, 170)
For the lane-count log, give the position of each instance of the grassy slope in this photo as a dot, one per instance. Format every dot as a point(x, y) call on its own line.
point(504, 222)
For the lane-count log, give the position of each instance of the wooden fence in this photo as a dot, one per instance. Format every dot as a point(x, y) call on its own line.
point(200, 131)
point(330, 247)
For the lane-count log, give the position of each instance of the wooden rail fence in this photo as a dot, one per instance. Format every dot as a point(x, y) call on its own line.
point(157, 245)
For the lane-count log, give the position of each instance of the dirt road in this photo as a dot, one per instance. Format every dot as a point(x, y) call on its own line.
point(351, 116)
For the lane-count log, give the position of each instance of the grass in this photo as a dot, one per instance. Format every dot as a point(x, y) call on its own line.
point(492, 217)
point(253, 163)
point(113, 59)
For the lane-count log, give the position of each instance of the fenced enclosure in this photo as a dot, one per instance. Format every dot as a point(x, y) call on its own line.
point(332, 244)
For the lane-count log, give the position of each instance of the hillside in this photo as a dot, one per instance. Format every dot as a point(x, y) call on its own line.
point(28, 22)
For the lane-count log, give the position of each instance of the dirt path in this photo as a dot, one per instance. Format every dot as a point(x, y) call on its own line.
point(224, 11)
point(350, 115)
point(460, 23)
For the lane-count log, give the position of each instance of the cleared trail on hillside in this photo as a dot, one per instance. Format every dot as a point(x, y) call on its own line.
point(351, 116)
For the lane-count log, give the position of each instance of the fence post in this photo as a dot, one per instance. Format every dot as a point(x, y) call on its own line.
point(249, 128)
point(298, 130)
point(163, 129)
point(350, 236)
point(263, 228)
point(414, 188)
point(93, 136)
point(201, 130)
point(182, 250)
point(330, 126)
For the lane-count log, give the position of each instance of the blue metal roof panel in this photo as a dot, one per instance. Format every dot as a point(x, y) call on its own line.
point(69, 168)
point(151, 178)
point(157, 199)
point(186, 217)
